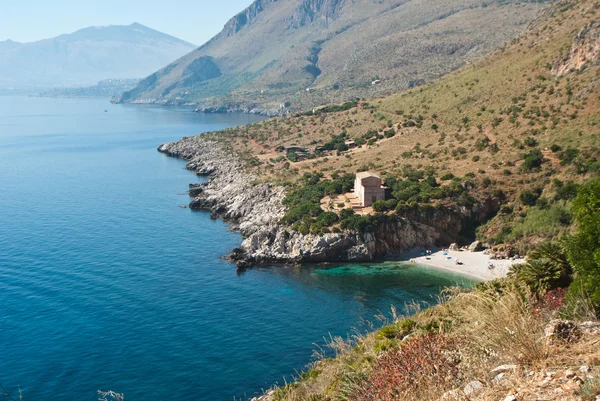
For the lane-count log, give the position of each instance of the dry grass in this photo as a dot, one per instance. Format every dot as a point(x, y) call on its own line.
point(446, 346)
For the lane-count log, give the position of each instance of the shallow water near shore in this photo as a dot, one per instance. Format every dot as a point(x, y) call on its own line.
point(107, 283)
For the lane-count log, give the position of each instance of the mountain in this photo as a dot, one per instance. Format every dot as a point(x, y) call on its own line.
point(508, 138)
point(88, 56)
point(106, 88)
point(301, 53)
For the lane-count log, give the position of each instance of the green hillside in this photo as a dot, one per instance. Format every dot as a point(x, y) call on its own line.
point(517, 131)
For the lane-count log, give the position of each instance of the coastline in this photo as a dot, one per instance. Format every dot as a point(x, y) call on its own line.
point(255, 208)
point(474, 264)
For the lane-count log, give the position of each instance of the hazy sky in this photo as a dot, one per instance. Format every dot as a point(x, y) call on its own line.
point(193, 20)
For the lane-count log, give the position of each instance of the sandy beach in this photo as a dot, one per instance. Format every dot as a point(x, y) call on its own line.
point(474, 264)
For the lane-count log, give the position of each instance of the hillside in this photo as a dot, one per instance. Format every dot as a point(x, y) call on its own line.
point(106, 88)
point(294, 54)
point(88, 56)
point(510, 141)
point(515, 131)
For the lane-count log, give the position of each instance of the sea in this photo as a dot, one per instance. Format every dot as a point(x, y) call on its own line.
point(108, 283)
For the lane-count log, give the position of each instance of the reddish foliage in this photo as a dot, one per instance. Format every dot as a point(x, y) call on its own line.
point(551, 302)
point(554, 299)
point(425, 361)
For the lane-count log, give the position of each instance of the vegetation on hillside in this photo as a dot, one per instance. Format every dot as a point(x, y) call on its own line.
point(495, 336)
point(509, 126)
point(293, 55)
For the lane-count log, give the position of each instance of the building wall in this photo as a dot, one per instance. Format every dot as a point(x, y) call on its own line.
point(359, 190)
point(368, 190)
point(371, 195)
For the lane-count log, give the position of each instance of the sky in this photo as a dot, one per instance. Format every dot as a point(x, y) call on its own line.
point(195, 21)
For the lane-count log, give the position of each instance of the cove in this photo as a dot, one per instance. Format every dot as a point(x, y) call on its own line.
point(107, 283)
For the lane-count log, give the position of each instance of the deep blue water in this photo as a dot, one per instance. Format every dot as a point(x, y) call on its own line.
point(105, 283)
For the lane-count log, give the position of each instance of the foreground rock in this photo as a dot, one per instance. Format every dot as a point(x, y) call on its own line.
point(255, 208)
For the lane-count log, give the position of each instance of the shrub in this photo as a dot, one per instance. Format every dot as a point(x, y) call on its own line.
point(529, 197)
point(532, 160)
point(505, 325)
point(423, 363)
point(341, 147)
point(555, 148)
point(583, 248)
point(447, 177)
point(546, 223)
point(567, 191)
point(568, 156)
point(547, 268)
point(292, 156)
point(531, 142)
point(304, 200)
point(328, 218)
point(385, 205)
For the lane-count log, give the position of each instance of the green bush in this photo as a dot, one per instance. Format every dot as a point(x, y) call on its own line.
point(328, 218)
point(568, 156)
point(292, 156)
point(532, 160)
point(385, 205)
point(304, 200)
point(531, 142)
point(567, 191)
point(529, 197)
point(546, 223)
point(583, 248)
point(547, 268)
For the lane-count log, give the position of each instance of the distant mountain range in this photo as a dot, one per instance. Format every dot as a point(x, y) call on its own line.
point(294, 54)
point(106, 88)
point(88, 56)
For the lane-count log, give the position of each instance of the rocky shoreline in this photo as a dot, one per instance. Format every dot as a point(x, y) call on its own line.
point(255, 209)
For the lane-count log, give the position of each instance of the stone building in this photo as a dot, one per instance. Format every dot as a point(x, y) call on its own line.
point(368, 188)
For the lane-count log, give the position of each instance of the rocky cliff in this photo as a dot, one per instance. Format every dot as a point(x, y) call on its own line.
point(585, 50)
point(255, 208)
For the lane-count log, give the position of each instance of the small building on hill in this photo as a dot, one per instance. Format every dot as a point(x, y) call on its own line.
point(368, 188)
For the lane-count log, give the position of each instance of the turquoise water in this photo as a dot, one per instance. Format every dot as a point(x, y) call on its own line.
point(106, 283)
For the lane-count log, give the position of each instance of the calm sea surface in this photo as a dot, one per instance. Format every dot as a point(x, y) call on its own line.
point(105, 283)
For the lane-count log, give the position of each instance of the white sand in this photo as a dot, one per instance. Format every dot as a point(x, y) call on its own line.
point(474, 264)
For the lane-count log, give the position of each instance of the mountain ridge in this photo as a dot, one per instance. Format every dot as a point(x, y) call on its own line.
point(278, 56)
point(88, 55)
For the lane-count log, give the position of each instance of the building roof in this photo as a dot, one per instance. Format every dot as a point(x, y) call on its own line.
point(366, 174)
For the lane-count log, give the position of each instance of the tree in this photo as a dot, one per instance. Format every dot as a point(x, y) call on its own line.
point(583, 248)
